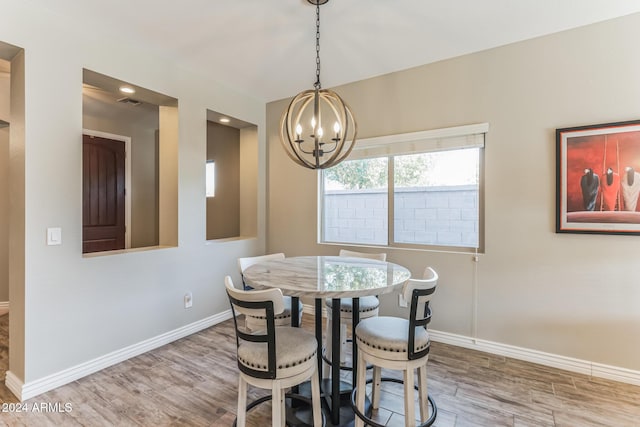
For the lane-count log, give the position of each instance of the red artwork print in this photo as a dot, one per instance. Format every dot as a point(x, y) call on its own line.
point(598, 178)
point(616, 152)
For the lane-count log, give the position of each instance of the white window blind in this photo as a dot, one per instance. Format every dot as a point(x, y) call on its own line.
point(470, 136)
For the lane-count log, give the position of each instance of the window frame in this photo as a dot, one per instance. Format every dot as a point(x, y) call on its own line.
point(210, 192)
point(385, 146)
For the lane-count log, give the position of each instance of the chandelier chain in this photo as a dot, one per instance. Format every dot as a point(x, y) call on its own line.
point(317, 84)
point(311, 147)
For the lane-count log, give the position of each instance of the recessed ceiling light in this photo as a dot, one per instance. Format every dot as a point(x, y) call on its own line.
point(127, 89)
point(224, 120)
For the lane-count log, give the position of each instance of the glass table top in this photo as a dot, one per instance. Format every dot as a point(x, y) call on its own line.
point(327, 276)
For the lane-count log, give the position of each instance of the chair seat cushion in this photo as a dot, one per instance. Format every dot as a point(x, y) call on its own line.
point(286, 313)
point(294, 347)
point(369, 303)
point(389, 335)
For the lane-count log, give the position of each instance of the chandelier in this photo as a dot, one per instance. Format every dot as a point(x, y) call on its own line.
point(301, 128)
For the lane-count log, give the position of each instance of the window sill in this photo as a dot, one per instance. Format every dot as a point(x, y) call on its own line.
point(437, 249)
point(125, 251)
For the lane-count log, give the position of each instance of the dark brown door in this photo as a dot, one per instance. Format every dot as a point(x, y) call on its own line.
point(103, 224)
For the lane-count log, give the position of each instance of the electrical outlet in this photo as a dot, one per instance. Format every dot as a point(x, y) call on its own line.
point(188, 300)
point(401, 301)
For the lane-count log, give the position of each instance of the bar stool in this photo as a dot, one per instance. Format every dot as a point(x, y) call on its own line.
point(276, 358)
point(257, 322)
point(368, 308)
point(400, 344)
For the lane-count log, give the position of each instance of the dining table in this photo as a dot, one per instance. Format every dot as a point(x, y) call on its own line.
point(334, 277)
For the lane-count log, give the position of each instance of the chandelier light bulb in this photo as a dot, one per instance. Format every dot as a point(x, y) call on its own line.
point(298, 130)
point(336, 127)
point(320, 133)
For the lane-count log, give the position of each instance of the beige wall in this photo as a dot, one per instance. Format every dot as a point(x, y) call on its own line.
point(17, 218)
point(223, 210)
point(66, 309)
point(570, 295)
point(4, 213)
point(4, 188)
point(249, 167)
point(168, 180)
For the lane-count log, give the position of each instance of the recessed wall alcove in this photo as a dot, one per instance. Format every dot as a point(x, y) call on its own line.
point(130, 164)
point(232, 158)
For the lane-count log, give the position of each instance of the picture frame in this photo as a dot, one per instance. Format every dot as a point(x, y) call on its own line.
point(598, 179)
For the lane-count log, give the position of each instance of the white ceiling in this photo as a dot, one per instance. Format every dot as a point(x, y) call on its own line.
point(266, 47)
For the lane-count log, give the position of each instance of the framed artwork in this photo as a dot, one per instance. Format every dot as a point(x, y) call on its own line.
point(598, 179)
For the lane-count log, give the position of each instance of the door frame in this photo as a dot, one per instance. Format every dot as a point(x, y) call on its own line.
point(127, 178)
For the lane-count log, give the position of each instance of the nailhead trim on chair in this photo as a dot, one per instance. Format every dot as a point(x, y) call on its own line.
point(395, 350)
point(283, 315)
point(348, 309)
point(361, 310)
point(286, 314)
point(260, 366)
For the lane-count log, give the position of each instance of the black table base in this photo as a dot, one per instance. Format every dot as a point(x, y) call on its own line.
point(336, 392)
point(301, 415)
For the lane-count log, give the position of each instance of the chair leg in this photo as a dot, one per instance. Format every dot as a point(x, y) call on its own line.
point(277, 399)
point(343, 343)
point(315, 399)
point(361, 384)
point(423, 393)
point(375, 387)
point(242, 402)
point(409, 405)
point(326, 367)
point(283, 408)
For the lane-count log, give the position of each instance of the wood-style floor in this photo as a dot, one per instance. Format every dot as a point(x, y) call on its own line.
point(193, 382)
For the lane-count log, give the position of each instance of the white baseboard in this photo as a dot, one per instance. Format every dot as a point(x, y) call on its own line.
point(547, 359)
point(24, 391)
point(13, 383)
point(31, 389)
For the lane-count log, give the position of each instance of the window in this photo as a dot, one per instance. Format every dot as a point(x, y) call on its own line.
point(413, 190)
point(355, 202)
point(211, 178)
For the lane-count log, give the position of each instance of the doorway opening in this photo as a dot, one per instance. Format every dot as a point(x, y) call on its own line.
point(106, 215)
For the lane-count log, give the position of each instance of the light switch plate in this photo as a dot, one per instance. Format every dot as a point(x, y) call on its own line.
point(54, 236)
